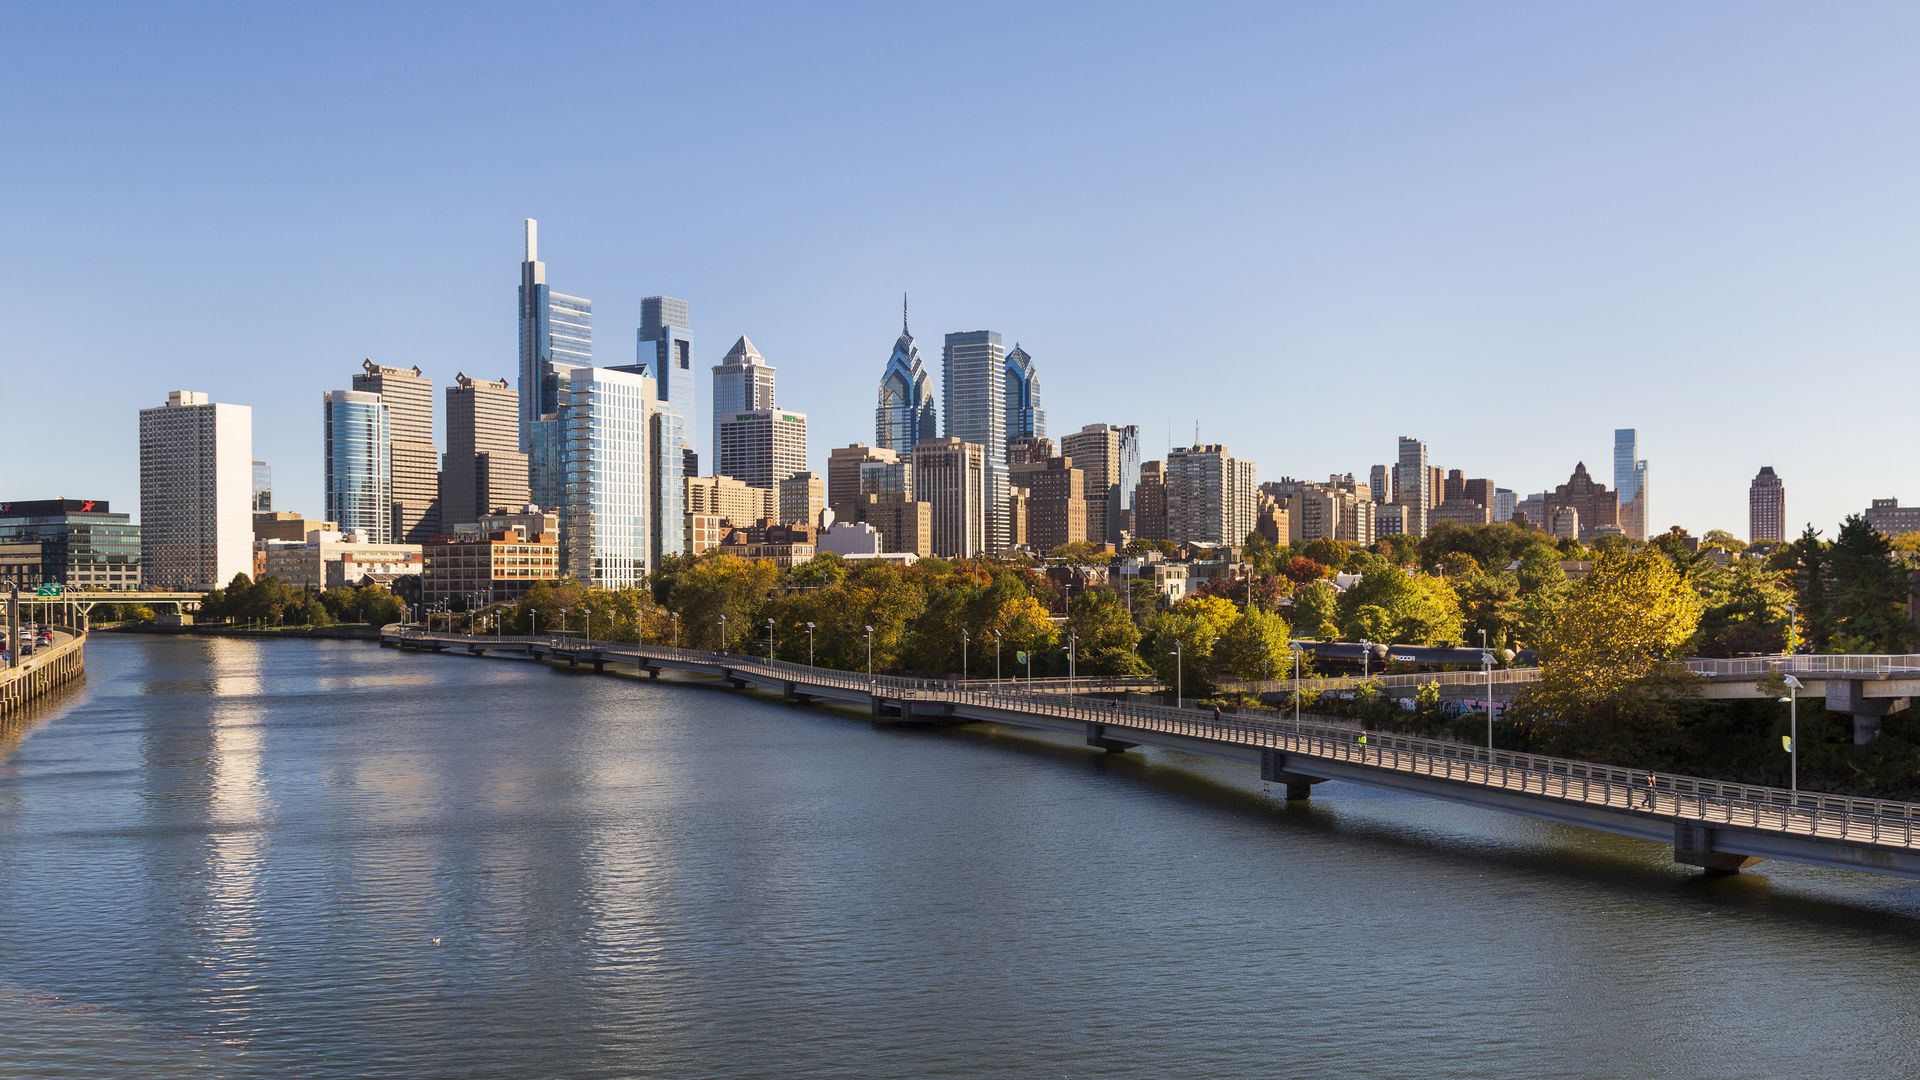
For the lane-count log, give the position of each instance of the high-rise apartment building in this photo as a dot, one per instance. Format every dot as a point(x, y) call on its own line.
point(730, 500)
point(1056, 503)
point(1211, 495)
point(1767, 508)
point(1506, 503)
point(802, 497)
point(742, 383)
point(196, 486)
point(1380, 481)
point(1597, 510)
point(359, 468)
point(1629, 483)
point(904, 525)
point(1413, 485)
point(556, 333)
point(762, 447)
point(950, 475)
point(1335, 510)
point(415, 461)
point(1888, 517)
point(905, 413)
point(843, 476)
point(606, 511)
point(1150, 502)
point(1024, 415)
point(262, 488)
point(1110, 456)
point(483, 469)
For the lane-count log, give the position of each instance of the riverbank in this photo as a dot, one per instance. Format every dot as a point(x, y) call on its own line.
point(353, 632)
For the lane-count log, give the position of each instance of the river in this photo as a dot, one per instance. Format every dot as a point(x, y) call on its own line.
point(245, 858)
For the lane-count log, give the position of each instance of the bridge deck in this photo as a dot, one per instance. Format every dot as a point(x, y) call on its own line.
point(1711, 823)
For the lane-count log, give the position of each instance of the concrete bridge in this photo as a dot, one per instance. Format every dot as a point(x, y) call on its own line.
point(1719, 827)
point(81, 603)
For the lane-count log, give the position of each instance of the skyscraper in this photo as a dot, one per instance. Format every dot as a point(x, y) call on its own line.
point(973, 381)
point(667, 481)
point(905, 414)
point(556, 332)
point(196, 483)
point(1630, 482)
point(262, 488)
point(762, 447)
point(415, 481)
point(1024, 416)
point(1413, 486)
point(1110, 456)
point(843, 477)
point(606, 511)
point(359, 465)
point(742, 382)
point(664, 351)
point(1211, 495)
point(950, 475)
point(1767, 508)
point(483, 469)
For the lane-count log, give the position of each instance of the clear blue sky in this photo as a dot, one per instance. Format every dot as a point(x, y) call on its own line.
point(1507, 228)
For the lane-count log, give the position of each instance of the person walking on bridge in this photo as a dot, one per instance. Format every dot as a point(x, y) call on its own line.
point(1651, 780)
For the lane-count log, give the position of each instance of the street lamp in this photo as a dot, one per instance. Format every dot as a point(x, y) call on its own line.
point(723, 633)
point(1073, 659)
point(1179, 691)
point(809, 644)
point(1793, 735)
point(1486, 661)
point(769, 639)
point(676, 628)
point(1296, 682)
point(963, 654)
point(869, 655)
point(996, 656)
point(1366, 656)
point(1793, 610)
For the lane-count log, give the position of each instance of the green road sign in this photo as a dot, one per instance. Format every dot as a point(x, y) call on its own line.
point(49, 589)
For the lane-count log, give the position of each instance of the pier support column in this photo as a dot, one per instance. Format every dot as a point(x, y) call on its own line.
point(1273, 769)
point(1849, 696)
point(1097, 736)
point(1693, 846)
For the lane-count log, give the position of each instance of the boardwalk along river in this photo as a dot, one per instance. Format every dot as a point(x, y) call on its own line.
point(227, 857)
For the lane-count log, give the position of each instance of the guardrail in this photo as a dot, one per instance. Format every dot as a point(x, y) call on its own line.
point(1808, 665)
point(1668, 795)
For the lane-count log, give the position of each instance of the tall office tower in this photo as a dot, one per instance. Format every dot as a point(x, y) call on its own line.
point(1380, 481)
point(483, 469)
point(1211, 495)
point(762, 447)
point(605, 512)
point(1024, 414)
point(905, 414)
point(262, 488)
point(950, 475)
point(664, 350)
point(885, 480)
point(1767, 508)
point(1505, 504)
point(843, 477)
point(1056, 502)
point(556, 333)
point(1150, 502)
point(973, 380)
point(802, 497)
point(1413, 485)
point(359, 464)
point(1629, 482)
point(742, 382)
point(1110, 456)
point(666, 482)
point(415, 483)
point(196, 486)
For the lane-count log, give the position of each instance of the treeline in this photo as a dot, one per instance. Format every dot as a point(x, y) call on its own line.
point(272, 602)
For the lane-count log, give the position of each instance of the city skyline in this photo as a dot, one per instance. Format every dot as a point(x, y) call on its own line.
point(1372, 260)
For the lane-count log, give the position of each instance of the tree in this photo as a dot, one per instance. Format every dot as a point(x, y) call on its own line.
point(1316, 610)
point(1109, 641)
point(1195, 624)
point(1605, 686)
point(1869, 591)
point(1390, 605)
point(1256, 646)
point(1745, 610)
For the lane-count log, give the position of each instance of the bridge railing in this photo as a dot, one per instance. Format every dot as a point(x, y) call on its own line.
point(1808, 665)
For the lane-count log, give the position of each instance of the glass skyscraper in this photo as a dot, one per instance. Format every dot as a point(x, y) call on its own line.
point(605, 512)
point(1630, 482)
point(1025, 417)
point(973, 382)
point(905, 415)
point(358, 467)
point(742, 382)
point(556, 335)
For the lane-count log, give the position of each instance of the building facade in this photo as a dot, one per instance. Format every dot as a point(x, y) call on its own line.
point(950, 476)
point(802, 497)
point(483, 469)
point(605, 512)
point(556, 333)
point(1211, 495)
point(762, 447)
point(905, 525)
point(973, 385)
point(1887, 516)
point(905, 414)
point(1598, 508)
point(1109, 454)
point(1630, 483)
point(1766, 508)
point(412, 460)
point(358, 471)
point(843, 476)
point(1024, 414)
point(1413, 486)
point(196, 492)
point(262, 488)
point(1055, 504)
point(78, 543)
point(478, 566)
point(1150, 502)
point(743, 382)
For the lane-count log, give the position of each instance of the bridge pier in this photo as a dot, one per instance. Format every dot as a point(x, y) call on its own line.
point(792, 692)
point(1693, 846)
point(1273, 769)
point(1097, 736)
point(733, 680)
point(1850, 696)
